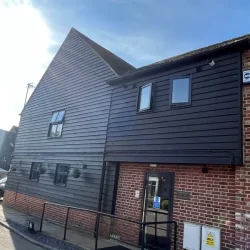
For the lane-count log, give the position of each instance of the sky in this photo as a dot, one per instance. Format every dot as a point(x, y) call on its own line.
point(139, 31)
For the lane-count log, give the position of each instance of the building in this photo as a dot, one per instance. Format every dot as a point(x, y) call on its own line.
point(63, 129)
point(7, 143)
point(177, 130)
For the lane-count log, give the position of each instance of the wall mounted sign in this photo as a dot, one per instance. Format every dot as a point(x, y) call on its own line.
point(210, 241)
point(246, 76)
point(137, 194)
point(157, 202)
point(183, 195)
point(211, 238)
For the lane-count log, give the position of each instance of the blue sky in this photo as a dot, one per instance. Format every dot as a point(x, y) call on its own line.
point(139, 31)
point(144, 31)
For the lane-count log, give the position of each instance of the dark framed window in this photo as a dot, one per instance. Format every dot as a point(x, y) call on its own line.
point(35, 171)
point(180, 91)
point(56, 124)
point(61, 176)
point(144, 102)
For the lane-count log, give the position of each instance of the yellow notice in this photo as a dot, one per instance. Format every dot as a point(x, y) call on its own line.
point(210, 240)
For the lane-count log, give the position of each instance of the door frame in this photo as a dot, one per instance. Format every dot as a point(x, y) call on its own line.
point(171, 176)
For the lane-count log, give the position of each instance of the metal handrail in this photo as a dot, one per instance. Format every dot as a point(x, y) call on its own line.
point(98, 214)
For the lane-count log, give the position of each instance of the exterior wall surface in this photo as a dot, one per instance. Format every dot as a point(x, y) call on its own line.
point(219, 198)
point(74, 82)
point(206, 132)
point(212, 198)
point(80, 219)
point(242, 190)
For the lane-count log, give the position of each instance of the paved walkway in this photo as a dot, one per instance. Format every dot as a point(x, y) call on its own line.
point(74, 236)
point(12, 241)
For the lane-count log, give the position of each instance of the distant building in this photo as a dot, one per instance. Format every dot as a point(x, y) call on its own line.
point(7, 143)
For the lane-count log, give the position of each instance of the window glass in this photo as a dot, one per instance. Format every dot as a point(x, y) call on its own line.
point(180, 90)
point(53, 130)
point(59, 129)
point(62, 174)
point(145, 98)
point(34, 171)
point(54, 116)
point(56, 124)
point(60, 116)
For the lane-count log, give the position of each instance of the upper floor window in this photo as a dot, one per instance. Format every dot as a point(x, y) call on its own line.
point(62, 171)
point(56, 124)
point(180, 91)
point(145, 98)
point(35, 171)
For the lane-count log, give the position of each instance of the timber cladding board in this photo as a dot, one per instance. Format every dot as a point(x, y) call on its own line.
point(81, 192)
point(75, 82)
point(211, 123)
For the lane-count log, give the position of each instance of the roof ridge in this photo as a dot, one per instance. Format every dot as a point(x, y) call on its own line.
point(117, 64)
point(219, 44)
point(185, 56)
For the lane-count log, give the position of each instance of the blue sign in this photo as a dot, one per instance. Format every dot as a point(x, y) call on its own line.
point(246, 76)
point(157, 202)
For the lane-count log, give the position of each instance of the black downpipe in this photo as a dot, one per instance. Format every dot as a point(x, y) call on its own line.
point(100, 201)
point(101, 186)
point(117, 172)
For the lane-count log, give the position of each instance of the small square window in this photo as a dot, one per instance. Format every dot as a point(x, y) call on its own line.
point(56, 124)
point(34, 171)
point(62, 171)
point(54, 116)
point(180, 91)
point(60, 116)
point(145, 98)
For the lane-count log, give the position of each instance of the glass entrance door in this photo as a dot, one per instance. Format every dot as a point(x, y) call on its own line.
point(158, 206)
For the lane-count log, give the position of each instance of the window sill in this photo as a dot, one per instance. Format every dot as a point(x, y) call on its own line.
point(178, 106)
point(60, 185)
point(34, 180)
point(54, 137)
point(146, 111)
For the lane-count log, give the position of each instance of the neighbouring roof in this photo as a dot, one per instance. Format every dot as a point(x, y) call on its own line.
point(185, 56)
point(14, 129)
point(116, 63)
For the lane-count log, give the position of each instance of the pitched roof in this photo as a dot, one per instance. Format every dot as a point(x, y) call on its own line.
point(118, 65)
point(186, 56)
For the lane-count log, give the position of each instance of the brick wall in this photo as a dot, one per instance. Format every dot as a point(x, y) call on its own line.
point(83, 220)
point(212, 198)
point(242, 188)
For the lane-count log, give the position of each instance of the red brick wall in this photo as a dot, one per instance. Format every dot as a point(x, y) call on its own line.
point(212, 198)
point(77, 218)
point(242, 188)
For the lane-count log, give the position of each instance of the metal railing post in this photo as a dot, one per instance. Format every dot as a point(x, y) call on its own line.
point(97, 230)
point(175, 236)
point(41, 223)
point(156, 218)
point(65, 225)
point(143, 236)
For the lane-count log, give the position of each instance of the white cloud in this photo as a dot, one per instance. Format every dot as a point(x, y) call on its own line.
point(25, 40)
